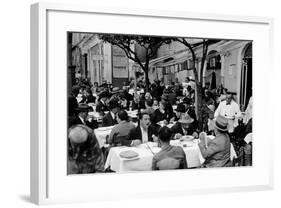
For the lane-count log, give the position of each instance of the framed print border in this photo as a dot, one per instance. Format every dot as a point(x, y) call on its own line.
point(40, 143)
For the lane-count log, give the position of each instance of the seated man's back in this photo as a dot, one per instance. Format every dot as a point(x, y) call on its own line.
point(170, 151)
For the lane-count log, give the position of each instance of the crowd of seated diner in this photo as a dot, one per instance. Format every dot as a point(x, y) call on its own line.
point(157, 105)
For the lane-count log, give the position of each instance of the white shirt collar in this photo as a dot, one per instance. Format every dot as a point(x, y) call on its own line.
point(144, 134)
point(81, 119)
point(112, 114)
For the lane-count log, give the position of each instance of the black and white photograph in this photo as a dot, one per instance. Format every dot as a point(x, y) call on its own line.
point(146, 103)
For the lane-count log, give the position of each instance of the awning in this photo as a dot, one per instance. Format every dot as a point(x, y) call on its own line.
point(185, 55)
point(158, 60)
point(168, 60)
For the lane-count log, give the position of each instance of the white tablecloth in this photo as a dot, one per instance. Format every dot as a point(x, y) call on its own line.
point(193, 155)
point(141, 163)
point(133, 114)
point(96, 115)
point(101, 134)
point(161, 123)
point(144, 161)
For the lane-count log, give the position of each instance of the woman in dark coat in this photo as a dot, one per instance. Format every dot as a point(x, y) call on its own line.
point(88, 97)
point(162, 113)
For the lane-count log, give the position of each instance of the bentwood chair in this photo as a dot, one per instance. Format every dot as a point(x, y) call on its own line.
point(118, 140)
point(244, 157)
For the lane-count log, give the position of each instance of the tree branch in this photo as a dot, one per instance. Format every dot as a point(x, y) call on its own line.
point(204, 56)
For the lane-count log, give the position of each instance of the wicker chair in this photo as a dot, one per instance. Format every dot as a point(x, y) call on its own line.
point(168, 163)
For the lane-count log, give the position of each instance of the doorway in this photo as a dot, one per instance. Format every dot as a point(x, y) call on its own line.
point(212, 74)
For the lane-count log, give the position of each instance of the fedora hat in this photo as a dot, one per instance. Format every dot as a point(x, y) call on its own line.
point(221, 123)
point(115, 90)
point(78, 134)
point(83, 108)
point(180, 108)
point(186, 119)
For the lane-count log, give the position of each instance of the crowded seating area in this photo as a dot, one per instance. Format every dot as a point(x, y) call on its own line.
point(155, 127)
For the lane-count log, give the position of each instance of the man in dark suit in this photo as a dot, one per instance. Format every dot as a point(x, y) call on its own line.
point(88, 97)
point(110, 118)
point(82, 117)
point(101, 105)
point(72, 101)
point(144, 132)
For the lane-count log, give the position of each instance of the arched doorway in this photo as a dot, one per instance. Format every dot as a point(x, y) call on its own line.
point(246, 76)
point(213, 70)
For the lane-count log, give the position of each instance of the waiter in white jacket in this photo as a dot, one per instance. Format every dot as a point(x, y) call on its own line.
point(230, 110)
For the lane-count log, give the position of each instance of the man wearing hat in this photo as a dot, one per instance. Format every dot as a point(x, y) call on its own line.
point(183, 127)
point(110, 118)
point(216, 151)
point(101, 105)
point(84, 153)
point(88, 97)
point(81, 117)
point(72, 101)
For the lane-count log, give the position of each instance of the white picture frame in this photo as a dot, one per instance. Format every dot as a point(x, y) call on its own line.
point(49, 182)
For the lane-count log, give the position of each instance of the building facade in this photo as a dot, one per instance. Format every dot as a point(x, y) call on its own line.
point(228, 63)
point(99, 61)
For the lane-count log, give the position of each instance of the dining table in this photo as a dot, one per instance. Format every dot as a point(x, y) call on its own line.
point(145, 153)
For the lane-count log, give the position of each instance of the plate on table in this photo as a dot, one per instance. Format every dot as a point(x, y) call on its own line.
point(129, 155)
point(170, 125)
point(186, 138)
